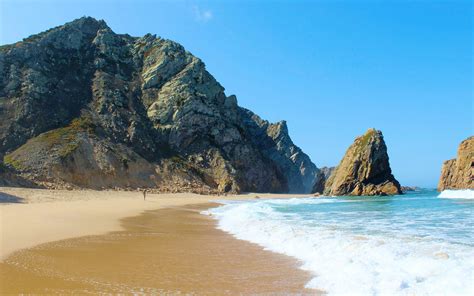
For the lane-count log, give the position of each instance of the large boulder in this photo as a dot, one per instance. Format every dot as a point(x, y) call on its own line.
point(458, 173)
point(364, 169)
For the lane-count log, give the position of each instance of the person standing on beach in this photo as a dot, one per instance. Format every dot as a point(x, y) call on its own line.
point(144, 194)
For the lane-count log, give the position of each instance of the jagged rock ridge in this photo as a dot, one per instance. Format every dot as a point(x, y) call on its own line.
point(274, 142)
point(82, 106)
point(364, 169)
point(458, 173)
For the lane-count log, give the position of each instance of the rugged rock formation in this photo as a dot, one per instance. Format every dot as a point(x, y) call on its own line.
point(458, 173)
point(275, 143)
point(10, 179)
point(81, 106)
point(364, 170)
point(321, 178)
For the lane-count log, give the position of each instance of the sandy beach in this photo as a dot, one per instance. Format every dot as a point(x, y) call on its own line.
point(49, 215)
point(39, 226)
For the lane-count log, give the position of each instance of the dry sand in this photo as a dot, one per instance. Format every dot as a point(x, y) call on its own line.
point(29, 217)
point(99, 241)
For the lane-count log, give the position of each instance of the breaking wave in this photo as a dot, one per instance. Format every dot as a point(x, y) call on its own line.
point(372, 247)
point(462, 193)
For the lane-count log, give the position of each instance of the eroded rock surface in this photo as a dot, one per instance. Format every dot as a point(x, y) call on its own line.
point(458, 173)
point(275, 144)
point(321, 177)
point(82, 106)
point(364, 169)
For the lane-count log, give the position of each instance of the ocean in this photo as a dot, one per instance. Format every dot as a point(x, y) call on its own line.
point(419, 243)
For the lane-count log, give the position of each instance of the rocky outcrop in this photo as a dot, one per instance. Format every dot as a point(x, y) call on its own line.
point(274, 142)
point(458, 173)
point(364, 169)
point(8, 178)
point(82, 106)
point(321, 177)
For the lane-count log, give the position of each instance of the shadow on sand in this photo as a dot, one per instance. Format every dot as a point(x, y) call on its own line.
point(8, 198)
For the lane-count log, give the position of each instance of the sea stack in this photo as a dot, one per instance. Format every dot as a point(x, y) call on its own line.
point(458, 173)
point(364, 169)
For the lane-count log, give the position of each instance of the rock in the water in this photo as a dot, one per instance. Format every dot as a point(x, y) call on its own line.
point(82, 106)
point(321, 178)
point(409, 188)
point(458, 173)
point(364, 170)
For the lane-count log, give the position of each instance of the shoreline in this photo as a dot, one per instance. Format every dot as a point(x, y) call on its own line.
point(184, 250)
point(30, 217)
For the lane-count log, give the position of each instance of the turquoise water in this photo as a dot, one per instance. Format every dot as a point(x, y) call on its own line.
point(412, 244)
point(418, 214)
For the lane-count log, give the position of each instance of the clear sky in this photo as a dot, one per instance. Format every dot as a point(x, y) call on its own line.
point(332, 69)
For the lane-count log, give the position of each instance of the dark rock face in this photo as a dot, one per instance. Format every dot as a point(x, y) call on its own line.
point(82, 106)
point(364, 170)
point(275, 144)
point(321, 178)
point(458, 173)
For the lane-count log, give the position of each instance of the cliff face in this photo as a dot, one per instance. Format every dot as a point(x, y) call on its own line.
point(83, 106)
point(275, 144)
point(321, 177)
point(458, 173)
point(364, 169)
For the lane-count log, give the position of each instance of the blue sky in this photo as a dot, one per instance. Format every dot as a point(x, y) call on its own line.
point(332, 69)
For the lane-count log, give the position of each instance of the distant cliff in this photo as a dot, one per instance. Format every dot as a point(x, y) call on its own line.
point(364, 169)
point(458, 173)
point(82, 106)
point(321, 177)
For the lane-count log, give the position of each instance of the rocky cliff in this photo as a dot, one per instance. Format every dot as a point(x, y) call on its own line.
point(364, 169)
point(82, 106)
point(458, 173)
point(274, 142)
point(321, 177)
point(10, 179)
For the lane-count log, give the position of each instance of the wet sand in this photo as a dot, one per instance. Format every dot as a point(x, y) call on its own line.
point(29, 217)
point(172, 250)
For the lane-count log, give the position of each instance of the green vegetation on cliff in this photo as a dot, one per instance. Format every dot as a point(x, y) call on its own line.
point(62, 140)
point(156, 118)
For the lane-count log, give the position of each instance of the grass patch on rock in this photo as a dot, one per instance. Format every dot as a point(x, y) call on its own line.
point(59, 142)
point(13, 162)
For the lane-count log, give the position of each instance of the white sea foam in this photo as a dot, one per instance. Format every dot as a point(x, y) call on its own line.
point(462, 193)
point(344, 263)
